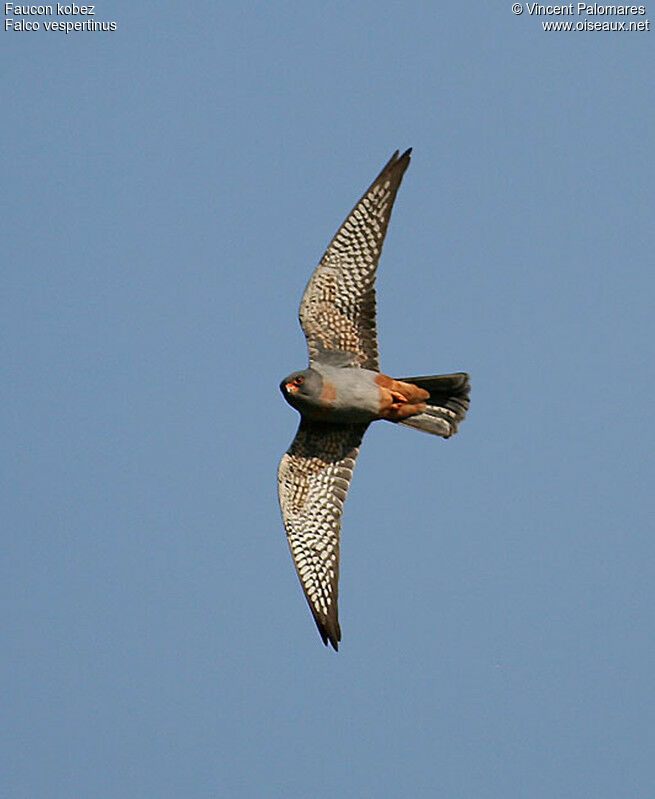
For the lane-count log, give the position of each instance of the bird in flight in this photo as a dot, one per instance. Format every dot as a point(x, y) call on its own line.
point(343, 391)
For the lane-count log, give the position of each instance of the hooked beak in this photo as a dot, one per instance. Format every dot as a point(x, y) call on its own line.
point(291, 388)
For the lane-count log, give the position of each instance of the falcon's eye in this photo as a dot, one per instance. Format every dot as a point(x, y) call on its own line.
point(299, 380)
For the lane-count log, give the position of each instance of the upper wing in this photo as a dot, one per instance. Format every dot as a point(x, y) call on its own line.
point(337, 311)
point(313, 481)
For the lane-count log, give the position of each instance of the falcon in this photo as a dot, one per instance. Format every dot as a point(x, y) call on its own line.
point(343, 391)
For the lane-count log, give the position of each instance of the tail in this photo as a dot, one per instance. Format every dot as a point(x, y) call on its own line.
point(446, 406)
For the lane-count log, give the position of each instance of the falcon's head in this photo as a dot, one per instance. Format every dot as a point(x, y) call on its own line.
point(302, 389)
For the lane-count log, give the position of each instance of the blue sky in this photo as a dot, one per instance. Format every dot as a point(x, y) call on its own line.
point(170, 187)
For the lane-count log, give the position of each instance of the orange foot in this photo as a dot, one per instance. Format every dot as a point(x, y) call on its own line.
point(398, 399)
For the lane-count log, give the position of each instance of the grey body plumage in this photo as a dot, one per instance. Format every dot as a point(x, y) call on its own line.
point(346, 395)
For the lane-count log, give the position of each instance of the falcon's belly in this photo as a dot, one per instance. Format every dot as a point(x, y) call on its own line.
point(348, 396)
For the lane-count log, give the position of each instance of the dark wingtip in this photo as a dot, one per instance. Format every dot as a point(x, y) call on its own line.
point(329, 631)
point(334, 643)
point(401, 163)
point(395, 161)
point(405, 158)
